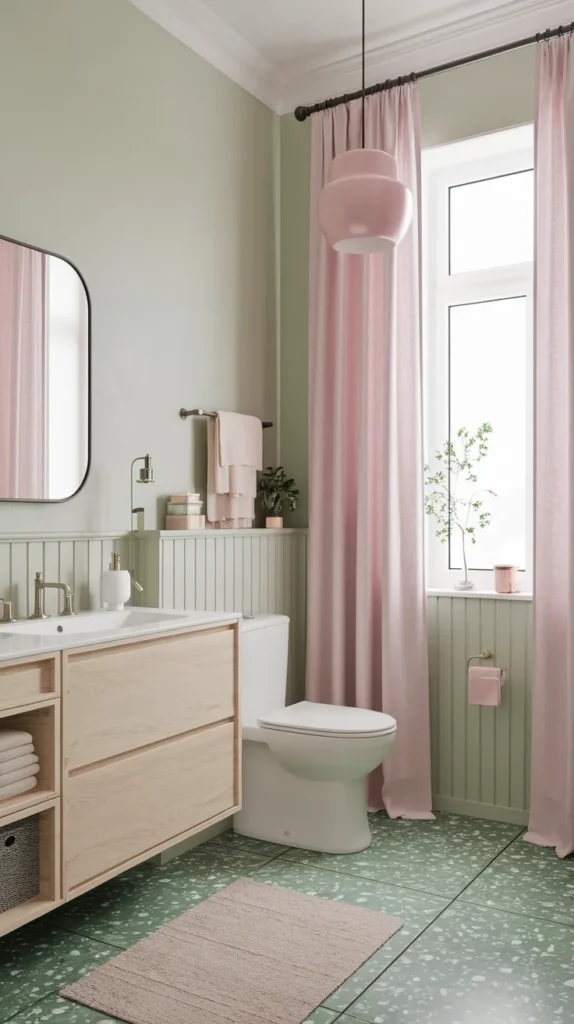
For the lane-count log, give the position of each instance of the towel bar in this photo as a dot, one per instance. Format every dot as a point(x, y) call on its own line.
point(478, 657)
point(184, 413)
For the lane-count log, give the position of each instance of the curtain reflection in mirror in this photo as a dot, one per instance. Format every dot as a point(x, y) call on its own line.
point(44, 373)
point(22, 372)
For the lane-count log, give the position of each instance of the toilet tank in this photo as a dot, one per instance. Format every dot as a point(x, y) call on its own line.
point(264, 651)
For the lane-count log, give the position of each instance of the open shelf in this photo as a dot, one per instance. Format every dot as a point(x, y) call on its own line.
point(43, 722)
point(49, 895)
point(15, 806)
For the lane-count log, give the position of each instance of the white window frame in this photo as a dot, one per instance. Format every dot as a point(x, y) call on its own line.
point(506, 152)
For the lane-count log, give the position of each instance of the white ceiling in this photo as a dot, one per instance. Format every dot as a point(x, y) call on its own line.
point(296, 51)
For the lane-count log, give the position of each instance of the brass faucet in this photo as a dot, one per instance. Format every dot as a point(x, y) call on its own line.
point(40, 586)
point(7, 615)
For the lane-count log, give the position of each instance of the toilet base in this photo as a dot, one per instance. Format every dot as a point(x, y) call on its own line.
point(326, 816)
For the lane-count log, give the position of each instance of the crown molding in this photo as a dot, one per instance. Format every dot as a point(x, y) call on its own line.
point(413, 45)
point(422, 43)
point(195, 25)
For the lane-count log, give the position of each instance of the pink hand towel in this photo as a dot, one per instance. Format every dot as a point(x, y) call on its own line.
point(18, 788)
point(7, 767)
point(240, 440)
point(231, 490)
point(8, 755)
point(485, 685)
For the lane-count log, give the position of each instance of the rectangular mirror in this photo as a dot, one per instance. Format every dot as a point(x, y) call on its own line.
point(44, 375)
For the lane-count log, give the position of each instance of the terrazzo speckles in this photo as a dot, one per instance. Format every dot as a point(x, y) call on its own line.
point(40, 959)
point(473, 965)
point(54, 1010)
point(439, 857)
point(131, 906)
point(461, 962)
point(416, 910)
point(530, 880)
point(233, 841)
point(321, 1016)
point(60, 1011)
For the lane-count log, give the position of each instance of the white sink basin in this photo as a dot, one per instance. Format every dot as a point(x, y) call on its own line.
point(96, 622)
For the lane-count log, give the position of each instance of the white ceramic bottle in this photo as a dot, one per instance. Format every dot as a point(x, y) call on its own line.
point(116, 585)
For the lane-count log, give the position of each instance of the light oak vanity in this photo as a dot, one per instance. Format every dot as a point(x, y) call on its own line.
point(139, 745)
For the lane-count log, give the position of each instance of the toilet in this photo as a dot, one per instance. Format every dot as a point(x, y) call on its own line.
point(304, 766)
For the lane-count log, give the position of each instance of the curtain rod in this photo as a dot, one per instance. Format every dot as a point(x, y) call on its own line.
point(302, 113)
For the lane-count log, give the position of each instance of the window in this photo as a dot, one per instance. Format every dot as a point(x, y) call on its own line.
point(478, 222)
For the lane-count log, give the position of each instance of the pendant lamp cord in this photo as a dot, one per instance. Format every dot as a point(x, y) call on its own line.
point(363, 86)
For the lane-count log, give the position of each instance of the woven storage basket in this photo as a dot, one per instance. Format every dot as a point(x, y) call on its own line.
point(19, 862)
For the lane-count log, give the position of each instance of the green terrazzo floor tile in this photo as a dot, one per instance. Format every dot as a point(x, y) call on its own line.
point(345, 1018)
point(131, 906)
point(233, 841)
point(439, 857)
point(40, 959)
point(54, 1010)
point(416, 910)
point(529, 880)
point(321, 1016)
point(478, 965)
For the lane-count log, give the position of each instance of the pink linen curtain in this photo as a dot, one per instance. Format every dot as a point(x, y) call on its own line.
point(552, 800)
point(367, 640)
point(22, 372)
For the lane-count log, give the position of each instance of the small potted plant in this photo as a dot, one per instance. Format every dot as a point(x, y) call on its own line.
point(443, 501)
point(277, 494)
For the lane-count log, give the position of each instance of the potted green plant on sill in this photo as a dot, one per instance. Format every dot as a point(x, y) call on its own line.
point(457, 466)
point(277, 494)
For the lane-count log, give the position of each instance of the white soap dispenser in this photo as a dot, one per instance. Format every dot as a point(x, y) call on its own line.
point(116, 585)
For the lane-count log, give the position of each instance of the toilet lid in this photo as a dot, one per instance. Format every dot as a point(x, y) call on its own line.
point(328, 720)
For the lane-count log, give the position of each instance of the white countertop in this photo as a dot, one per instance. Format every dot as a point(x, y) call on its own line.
point(15, 645)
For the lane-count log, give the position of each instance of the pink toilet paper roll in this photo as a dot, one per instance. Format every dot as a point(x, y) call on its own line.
point(485, 685)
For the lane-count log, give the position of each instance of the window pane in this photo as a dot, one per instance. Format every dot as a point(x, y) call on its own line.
point(488, 383)
point(492, 222)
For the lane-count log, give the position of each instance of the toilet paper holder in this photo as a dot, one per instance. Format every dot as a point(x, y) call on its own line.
point(479, 657)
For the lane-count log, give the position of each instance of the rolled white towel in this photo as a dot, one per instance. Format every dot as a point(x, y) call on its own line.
point(7, 755)
point(7, 767)
point(17, 788)
point(10, 738)
point(24, 773)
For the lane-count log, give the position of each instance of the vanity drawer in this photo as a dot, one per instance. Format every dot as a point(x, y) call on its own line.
point(120, 810)
point(28, 681)
point(121, 698)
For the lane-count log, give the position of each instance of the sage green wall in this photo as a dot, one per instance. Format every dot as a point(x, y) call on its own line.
point(154, 173)
point(485, 97)
point(480, 755)
point(295, 143)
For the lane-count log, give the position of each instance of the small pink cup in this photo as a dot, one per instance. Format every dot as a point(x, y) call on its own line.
point(506, 579)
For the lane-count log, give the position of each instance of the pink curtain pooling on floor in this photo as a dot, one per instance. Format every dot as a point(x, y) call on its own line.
point(22, 372)
point(367, 637)
point(552, 789)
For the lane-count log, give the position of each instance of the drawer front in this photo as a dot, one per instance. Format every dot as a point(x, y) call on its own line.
point(32, 681)
point(121, 698)
point(117, 811)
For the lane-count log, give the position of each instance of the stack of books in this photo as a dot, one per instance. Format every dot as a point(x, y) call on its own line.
point(184, 512)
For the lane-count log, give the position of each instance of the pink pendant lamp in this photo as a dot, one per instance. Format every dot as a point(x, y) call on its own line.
point(364, 208)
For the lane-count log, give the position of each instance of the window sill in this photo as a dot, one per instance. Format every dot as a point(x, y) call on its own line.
point(482, 594)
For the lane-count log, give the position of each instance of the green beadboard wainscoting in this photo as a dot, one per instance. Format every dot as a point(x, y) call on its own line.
point(480, 755)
